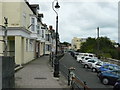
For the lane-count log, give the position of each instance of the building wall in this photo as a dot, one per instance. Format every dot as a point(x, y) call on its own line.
point(28, 54)
point(11, 10)
point(18, 14)
point(76, 43)
point(42, 46)
point(18, 50)
point(25, 12)
point(23, 55)
point(1, 13)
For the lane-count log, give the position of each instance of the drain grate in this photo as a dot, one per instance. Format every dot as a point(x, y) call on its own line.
point(40, 78)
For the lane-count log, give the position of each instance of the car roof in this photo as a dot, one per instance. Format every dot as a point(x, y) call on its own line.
point(111, 65)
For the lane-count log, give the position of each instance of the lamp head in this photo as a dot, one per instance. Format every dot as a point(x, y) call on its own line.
point(57, 6)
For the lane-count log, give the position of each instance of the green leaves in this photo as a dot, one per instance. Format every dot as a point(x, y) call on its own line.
point(106, 47)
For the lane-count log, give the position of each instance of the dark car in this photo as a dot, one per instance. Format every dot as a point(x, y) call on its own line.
point(117, 85)
point(107, 67)
point(109, 77)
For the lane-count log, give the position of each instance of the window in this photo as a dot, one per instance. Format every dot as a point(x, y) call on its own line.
point(38, 29)
point(47, 37)
point(42, 33)
point(24, 19)
point(26, 44)
point(47, 47)
point(106, 66)
point(111, 67)
point(31, 45)
point(33, 24)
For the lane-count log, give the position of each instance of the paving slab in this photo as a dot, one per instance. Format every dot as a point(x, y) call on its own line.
point(37, 74)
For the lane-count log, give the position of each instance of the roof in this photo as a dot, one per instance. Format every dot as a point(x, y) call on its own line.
point(32, 6)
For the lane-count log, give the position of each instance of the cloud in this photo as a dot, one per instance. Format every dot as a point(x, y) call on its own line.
point(81, 18)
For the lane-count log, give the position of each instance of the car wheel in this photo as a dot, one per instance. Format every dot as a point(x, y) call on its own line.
point(85, 66)
point(105, 81)
point(93, 70)
point(80, 61)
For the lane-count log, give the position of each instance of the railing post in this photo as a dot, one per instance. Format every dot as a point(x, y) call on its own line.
point(84, 84)
point(70, 75)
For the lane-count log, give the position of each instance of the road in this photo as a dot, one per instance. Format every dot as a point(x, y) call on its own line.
point(83, 74)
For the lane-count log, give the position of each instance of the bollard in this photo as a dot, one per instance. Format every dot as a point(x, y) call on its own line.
point(52, 59)
point(84, 84)
point(70, 75)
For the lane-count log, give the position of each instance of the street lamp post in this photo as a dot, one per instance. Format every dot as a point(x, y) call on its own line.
point(5, 35)
point(98, 46)
point(56, 62)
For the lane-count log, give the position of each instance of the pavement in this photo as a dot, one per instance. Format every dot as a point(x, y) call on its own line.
point(38, 74)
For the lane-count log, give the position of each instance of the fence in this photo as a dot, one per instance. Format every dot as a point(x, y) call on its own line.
point(8, 65)
point(110, 60)
point(74, 82)
point(52, 58)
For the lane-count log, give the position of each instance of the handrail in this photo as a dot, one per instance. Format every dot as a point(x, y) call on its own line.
point(81, 83)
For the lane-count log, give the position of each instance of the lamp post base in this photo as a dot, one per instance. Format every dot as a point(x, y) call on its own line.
point(56, 68)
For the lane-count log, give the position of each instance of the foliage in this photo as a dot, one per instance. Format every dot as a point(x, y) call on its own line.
point(106, 47)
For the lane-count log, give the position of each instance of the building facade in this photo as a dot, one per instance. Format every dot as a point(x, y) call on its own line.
point(76, 43)
point(25, 31)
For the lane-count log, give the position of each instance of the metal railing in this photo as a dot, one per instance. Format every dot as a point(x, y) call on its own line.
point(110, 60)
point(73, 81)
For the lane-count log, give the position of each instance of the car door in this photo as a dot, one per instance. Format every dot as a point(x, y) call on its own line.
point(114, 76)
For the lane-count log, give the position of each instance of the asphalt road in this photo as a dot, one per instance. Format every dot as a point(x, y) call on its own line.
point(83, 74)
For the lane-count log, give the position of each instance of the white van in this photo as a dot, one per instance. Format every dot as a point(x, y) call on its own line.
point(81, 56)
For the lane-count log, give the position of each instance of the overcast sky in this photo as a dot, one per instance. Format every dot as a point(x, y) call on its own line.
point(81, 18)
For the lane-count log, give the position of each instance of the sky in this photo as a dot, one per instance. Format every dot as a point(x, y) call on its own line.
point(81, 18)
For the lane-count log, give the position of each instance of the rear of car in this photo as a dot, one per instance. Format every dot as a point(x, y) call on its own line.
point(117, 85)
point(109, 77)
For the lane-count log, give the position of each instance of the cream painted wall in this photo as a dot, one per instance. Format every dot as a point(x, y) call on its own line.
point(21, 55)
point(11, 10)
point(18, 50)
point(1, 12)
point(76, 41)
point(41, 48)
point(25, 11)
point(15, 12)
point(28, 55)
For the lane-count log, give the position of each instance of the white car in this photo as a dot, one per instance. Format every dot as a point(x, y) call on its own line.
point(80, 58)
point(97, 65)
point(87, 58)
point(88, 63)
point(94, 66)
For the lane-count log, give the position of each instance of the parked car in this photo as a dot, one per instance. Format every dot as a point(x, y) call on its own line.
point(89, 62)
point(95, 66)
point(107, 67)
point(117, 85)
point(80, 58)
point(109, 77)
point(76, 54)
point(81, 55)
point(86, 59)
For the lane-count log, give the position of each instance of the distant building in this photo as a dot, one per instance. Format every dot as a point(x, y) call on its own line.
point(76, 43)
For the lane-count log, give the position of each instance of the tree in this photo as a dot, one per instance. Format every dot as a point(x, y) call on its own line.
point(106, 47)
